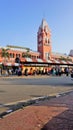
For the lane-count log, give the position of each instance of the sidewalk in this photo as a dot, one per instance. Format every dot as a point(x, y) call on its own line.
point(50, 114)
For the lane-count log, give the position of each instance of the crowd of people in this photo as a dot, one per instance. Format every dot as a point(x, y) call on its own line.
point(56, 70)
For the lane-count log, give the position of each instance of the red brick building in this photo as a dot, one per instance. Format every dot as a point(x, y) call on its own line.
point(44, 49)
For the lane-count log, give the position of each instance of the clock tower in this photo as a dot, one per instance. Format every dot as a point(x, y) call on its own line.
point(44, 40)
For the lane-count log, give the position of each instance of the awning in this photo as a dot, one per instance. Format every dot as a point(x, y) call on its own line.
point(39, 60)
point(22, 59)
point(15, 64)
point(11, 64)
point(56, 61)
point(49, 61)
point(63, 62)
point(34, 60)
point(69, 62)
point(28, 59)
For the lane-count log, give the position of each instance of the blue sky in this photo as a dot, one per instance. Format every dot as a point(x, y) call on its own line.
point(20, 20)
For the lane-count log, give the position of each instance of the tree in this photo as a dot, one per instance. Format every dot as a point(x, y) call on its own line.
point(4, 53)
point(26, 54)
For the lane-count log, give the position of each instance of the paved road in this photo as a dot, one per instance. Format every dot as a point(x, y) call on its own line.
point(52, 114)
point(17, 89)
point(56, 113)
point(39, 80)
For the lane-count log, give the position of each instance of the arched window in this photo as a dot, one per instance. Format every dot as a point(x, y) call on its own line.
point(11, 55)
point(17, 60)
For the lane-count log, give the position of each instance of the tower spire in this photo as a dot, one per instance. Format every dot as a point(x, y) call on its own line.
point(44, 42)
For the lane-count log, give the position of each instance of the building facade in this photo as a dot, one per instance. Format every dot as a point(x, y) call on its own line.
point(43, 53)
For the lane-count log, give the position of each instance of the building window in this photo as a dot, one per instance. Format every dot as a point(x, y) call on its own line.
point(17, 55)
point(11, 55)
point(48, 41)
point(17, 60)
point(47, 55)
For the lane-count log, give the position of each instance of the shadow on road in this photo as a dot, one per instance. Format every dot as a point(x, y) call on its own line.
point(63, 121)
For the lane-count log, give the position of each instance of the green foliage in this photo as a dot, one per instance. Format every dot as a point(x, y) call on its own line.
point(65, 59)
point(5, 53)
point(10, 46)
point(26, 54)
